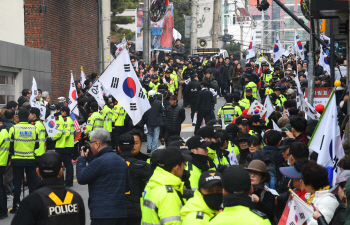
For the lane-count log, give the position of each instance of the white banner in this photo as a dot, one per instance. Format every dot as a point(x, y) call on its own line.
point(34, 92)
point(41, 108)
point(122, 83)
point(96, 92)
point(251, 47)
point(73, 96)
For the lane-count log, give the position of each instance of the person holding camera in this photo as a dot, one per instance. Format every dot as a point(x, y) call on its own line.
point(108, 178)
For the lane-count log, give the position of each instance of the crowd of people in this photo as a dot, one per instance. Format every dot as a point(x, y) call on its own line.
point(235, 168)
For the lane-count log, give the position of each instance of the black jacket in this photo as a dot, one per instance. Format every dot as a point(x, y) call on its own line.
point(226, 72)
point(180, 52)
point(8, 124)
point(175, 117)
point(140, 172)
point(32, 209)
point(188, 72)
point(204, 100)
point(193, 89)
point(267, 201)
point(153, 115)
point(216, 73)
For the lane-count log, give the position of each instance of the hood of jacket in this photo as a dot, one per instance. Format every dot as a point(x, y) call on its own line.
point(196, 204)
point(161, 177)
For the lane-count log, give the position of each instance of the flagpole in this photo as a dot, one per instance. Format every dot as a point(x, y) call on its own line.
point(329, 100)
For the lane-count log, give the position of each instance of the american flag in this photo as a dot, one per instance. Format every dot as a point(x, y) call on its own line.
point(76, 123)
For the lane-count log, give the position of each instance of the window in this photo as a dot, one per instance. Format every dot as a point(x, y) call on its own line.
point(2, 80)
point(289, 35)
point(10, 80)
point(289, 1)
point(2, 99)
point(291, 8)
point(289, 23)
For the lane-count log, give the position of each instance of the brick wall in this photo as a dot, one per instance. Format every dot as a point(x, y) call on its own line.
point(69, 29)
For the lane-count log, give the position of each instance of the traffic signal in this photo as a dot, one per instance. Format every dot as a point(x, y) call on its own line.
point(264, 5)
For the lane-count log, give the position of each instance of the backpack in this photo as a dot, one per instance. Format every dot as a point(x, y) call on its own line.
point(270, 168)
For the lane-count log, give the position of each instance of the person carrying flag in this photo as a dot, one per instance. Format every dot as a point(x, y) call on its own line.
point(67, 153)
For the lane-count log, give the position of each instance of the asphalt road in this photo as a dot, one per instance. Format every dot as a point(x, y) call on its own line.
point(186, 132)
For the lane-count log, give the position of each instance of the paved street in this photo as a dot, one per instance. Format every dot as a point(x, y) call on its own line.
point(187, 131)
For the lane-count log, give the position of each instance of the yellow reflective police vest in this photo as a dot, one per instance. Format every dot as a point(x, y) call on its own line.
point(240, 214)
point(40, 130)
point(24, 137)
point(69, 132)
point(254, 89)
point(196, 211)
point(60, 137)
point(283, 98)
point(268, 90)
point(267, 77)
point(119, 115)
point(171, 85)
point(195, 174)
point(223, 161)
point(154, 86)
point(175, 79)
point(244, 103)
point(94, 122)
point(4, 147)
point(233, 148)
point(146, 93)
point(161, 201)
point(229, 112)
point(108, 118)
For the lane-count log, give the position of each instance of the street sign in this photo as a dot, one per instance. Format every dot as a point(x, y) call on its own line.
point(321, 95)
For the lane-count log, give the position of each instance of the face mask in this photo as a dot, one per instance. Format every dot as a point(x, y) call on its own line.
point(203, 159)
point(213, 201)
point(186, 175)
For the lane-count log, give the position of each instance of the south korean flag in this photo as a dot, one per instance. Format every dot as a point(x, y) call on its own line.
point(257, 109)
point(51, 126)
point(120, 80)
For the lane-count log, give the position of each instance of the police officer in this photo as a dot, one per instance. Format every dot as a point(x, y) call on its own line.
point(154, 83)
point(162, 197)
point(231, 109)
point(67, 152)
point(119, 115)
point(58, 141)
point(206, 201)
point(4, 153)
point(238, 205)
point(169, 81)
point(200, 161)
point(193, 89)
point(233, 134)
point(248, 97)
point(107, 114)
point(140, 172)
point(95, 120)
point(251, 84)
point(40, 130)
point(24, 140)
point(51, 203)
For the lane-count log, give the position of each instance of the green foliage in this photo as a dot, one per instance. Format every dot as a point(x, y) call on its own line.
point(180, 10)
point(117, 7)
point(234, 48)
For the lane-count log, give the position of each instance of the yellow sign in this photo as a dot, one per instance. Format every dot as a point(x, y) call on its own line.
point(322, 25)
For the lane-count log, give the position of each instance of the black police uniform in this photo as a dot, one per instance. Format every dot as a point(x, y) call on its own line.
point(140, 172)
point(51, 204)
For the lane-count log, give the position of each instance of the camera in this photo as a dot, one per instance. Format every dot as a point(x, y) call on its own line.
point(283, 133)
point(86, 146)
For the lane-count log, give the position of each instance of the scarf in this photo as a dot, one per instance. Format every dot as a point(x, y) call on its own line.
point(312, 196)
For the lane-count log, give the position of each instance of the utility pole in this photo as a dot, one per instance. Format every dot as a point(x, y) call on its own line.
point(241, 46)
point(225, 15)
point(106, 31)
point(311, 78)
point(262, 30)
point(216, 24)
point(146, 32)
point(194, 5)
point(347, 71)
